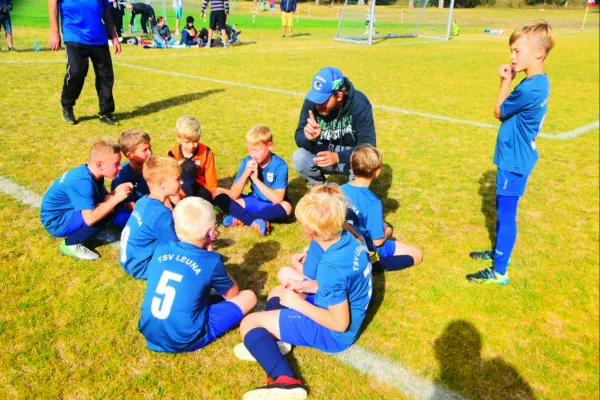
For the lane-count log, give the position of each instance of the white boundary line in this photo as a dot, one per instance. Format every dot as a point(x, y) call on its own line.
point(362, 360)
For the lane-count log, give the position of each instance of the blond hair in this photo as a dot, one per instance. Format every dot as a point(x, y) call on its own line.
point(259, 134)
point(365, 161)
point(322, 213)
point(541, 29)
point(193, 218)
point(333, 189)
point(188, 128)
point(131, 139)
point(159, 168)
point(103, 147)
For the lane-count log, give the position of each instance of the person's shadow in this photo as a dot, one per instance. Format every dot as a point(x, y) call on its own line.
point(464, 371)
point(376, 299)
point(487, 191)
point(157, 106)
point(248, 274)
point(381, 187)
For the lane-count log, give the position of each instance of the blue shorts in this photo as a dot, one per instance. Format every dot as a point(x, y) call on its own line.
point(120, 218)
point(272, 5)
point(387, 249)
point(510, 184)
point(178, 12)
point(253, 204)
point(221, 318)
point(75, 223)
point(297, 329)
point(6, 23)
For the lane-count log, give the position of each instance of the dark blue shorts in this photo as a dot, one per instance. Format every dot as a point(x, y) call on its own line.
point(297, 329)
point(75, 223)
point(120, 218)
point(253, 204)
point(387, 249)
point(510, 184)
point(221, 318)
point(6, 23)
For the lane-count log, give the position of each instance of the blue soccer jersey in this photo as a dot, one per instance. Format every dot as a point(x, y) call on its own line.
point(81, 21)
point(365, 213)
point(344, 273)
point(150, 224)
point(522, 114)
point(127, 174)
point(76, 190)
point(274, 175)
point(311, 261)
point(180, 277)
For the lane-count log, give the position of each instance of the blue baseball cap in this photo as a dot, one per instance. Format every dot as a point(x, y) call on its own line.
point(325, 82)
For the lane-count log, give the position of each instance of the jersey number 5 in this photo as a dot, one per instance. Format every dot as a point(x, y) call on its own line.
point(161, 308)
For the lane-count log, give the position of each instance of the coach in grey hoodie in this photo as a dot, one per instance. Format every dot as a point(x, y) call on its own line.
point(335, 118)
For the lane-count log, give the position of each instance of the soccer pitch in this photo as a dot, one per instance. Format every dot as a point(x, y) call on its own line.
point(68, 329)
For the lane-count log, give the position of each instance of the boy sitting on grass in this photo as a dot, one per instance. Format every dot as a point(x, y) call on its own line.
point(198, 167)
point(329, 319)
point(522, 113)
point(135, 145)
point(268, 174)
point(77, 204)
point(151, 222)
point(365, 214)
point(176, 313)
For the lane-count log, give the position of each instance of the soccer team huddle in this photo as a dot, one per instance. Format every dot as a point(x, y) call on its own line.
point(167, 207)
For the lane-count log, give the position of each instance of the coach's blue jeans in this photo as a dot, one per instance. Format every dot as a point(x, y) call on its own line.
point(315, 175)
point(160, 41)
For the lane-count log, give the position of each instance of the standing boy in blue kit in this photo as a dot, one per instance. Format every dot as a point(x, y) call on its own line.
point(522, 113)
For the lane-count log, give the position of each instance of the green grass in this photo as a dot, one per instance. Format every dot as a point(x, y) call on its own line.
point(69, 329)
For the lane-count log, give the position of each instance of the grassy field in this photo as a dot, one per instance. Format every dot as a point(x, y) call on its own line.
point(68, 329)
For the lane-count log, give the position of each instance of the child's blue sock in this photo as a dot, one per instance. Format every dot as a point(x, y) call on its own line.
point(263, 346)
point(394, 263)
point(275, 212)
point(506, 231)
point(230, 206)
point(84, 233)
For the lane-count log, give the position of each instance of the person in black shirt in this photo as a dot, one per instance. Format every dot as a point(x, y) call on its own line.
point(147, 14)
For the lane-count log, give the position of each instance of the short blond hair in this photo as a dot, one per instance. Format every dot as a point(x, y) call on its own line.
point(322, 214)
point(159, 168)
point(131, 139)
point(259, 134)
point(188, 128)
point(103, 147)
point(542, 31)
point(365, 161)
point(193, 218)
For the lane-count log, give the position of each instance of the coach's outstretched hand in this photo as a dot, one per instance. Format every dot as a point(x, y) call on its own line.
point(116, 45)
point(312, 129)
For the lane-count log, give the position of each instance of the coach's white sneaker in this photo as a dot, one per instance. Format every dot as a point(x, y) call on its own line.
point(242, 352)
point(78, 251)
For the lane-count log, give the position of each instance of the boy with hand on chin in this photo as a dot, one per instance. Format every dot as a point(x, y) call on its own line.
point(151, 222)
point(176, 313)
point(77, 204)
point(522, 113)
point(268, 174)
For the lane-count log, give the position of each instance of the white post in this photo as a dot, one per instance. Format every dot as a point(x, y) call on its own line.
point(337, 13)
point(402, 17)
point(309, 10)
point(371, 22)
point(450, 20)
point(253, 14)
point(297, 13)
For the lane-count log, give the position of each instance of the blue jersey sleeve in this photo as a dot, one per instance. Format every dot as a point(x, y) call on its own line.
point(518, 100)
point(220, 281)
point(241, 170)
point(375, 221)
point(82, 195)
point(164, 228)
point(281, 177)
point(334, 289)
point(122, 178)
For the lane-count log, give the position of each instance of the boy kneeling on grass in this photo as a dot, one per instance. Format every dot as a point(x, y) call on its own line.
point(328, 318)
point(176, 313)
point(77, 204)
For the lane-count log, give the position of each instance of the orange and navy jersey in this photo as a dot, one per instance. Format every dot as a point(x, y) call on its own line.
point(204, 159)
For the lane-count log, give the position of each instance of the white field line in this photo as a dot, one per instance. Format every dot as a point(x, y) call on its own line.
point(362, 360)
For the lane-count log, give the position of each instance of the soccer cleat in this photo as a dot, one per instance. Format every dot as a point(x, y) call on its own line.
point(68, 115)
point(487, 255)
point(13, 50)
point(78, 251)
point(108, 119)
point(230, 221)
point(242, 353)
point(282, 388)
point(489, 275)
point(261, 226)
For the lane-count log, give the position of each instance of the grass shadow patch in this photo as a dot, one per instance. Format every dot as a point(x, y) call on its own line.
point(248, 272)
point(487, 191)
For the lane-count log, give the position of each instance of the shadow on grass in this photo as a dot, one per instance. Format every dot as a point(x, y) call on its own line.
point(376, 299)
point(464, 371)
point(381, 187)
point(247, 274)
point(487, 191)
point(157, 106)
